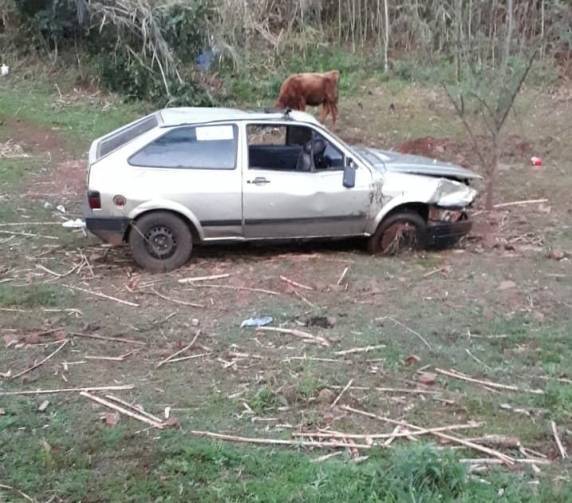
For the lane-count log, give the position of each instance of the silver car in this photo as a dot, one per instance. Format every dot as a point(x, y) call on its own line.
point(184, 176)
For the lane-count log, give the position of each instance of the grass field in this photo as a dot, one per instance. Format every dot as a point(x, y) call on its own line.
point(497, 309)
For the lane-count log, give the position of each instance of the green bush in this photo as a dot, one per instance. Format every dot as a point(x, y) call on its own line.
point(130, 78)
point(143, 48)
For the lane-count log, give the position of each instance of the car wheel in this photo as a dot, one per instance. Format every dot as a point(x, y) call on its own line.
point(160, 241)
point(402, 231)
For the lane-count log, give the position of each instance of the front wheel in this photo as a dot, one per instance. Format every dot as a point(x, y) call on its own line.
point(160, 241)
point(402, 231)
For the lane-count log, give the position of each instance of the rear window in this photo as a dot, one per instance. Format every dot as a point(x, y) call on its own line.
point(197, 147)
point(126, 135)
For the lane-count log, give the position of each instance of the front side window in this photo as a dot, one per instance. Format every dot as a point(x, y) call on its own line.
point(290, 148)
point(197, 147)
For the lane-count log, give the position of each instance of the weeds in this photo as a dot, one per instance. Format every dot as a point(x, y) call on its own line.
point(33, 296)
point(264, 400)
point(196, 470)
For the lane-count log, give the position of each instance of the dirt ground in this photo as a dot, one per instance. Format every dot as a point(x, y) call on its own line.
point(479, 333)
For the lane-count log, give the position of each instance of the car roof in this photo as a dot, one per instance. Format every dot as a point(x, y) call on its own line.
point(178, 116)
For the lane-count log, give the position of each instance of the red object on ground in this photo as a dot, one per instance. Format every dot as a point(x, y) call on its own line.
point(536, 161)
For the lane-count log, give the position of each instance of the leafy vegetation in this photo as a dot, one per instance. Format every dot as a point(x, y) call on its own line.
point(182, 468)
point(33, 296)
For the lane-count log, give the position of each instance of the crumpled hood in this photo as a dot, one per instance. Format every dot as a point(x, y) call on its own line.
point(414, 164)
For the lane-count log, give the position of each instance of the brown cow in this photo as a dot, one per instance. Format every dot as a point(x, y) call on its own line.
point(311, 89)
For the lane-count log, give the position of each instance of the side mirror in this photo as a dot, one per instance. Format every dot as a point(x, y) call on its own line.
point(349, 173)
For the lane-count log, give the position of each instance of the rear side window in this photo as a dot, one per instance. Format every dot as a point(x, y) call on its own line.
point(126, 135)
point(197, 147)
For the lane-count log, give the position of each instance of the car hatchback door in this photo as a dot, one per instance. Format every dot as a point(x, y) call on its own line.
point(283, 200)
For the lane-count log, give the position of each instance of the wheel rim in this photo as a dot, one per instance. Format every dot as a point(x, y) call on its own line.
point(398, 237)
point(160, 242)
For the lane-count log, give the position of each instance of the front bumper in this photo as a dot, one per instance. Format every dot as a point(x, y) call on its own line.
point(446, 234)
point(112, 230)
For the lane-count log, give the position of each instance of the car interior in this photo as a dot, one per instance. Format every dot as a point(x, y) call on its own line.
point(290, 148)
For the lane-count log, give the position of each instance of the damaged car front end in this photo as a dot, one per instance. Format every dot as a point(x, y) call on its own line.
point(412, 186)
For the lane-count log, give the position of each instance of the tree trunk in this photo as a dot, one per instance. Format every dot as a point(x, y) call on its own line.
point(386, 37)
point(508, 34)
point(491, 178)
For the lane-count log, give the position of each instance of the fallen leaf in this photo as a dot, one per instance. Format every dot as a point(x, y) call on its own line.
point(32, 339)
point(326, 396)
point(110, 418)
point(428, 378)
point(43, 406)
point(506, 285)
point(6, 375)
point(60, 335)
point(10, 340)
point(556, 254)
point(172, 422)
point(133, 283)
point(412, 360)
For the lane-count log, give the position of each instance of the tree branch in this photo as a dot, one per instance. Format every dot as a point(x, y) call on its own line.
point(467, 126)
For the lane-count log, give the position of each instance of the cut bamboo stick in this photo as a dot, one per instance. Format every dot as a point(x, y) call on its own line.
point(183, 358)
point(520, 203)
point(123, 410)
point(338, 398)
point(102, 295)
point(427, 431)
point(489, 461)
point(365, 349)
point(106, 338)
point(458, 375)
point(275, 441)
point(343, 275)
point(17, 491)
point(296, 333)
point(188, 346)
point(136, 409)
point(245, 288)
point(457, 440)
point(561, 448)
point(295, 283)
point(203, 278)
point(66, 390)
point(35, 366)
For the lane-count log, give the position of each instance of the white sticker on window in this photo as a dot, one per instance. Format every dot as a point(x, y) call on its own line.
point(211, 133)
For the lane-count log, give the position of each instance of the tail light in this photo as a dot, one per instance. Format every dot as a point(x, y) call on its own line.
point(94, 199)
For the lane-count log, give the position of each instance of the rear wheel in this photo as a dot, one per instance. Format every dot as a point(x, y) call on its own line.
point(160, 241)
point(399, 232)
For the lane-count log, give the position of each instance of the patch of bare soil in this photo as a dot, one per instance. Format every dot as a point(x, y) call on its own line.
point(65, 182)
point(463, 153)
point(38, 139)
point(61, 179)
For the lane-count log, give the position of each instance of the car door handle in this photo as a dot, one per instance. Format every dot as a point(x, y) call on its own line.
point(259, 180)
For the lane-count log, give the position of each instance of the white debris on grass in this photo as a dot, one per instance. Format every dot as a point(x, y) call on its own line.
point(11, 150)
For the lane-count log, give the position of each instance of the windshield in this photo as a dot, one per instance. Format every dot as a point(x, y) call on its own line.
point(355, 150)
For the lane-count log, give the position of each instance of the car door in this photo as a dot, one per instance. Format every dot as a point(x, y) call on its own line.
point(279, 201)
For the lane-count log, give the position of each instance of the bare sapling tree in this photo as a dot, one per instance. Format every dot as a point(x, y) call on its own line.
point(486, 93)
point(386, 36)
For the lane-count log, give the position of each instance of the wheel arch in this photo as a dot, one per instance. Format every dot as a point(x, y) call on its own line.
point(420, 208)
point(193, 228)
